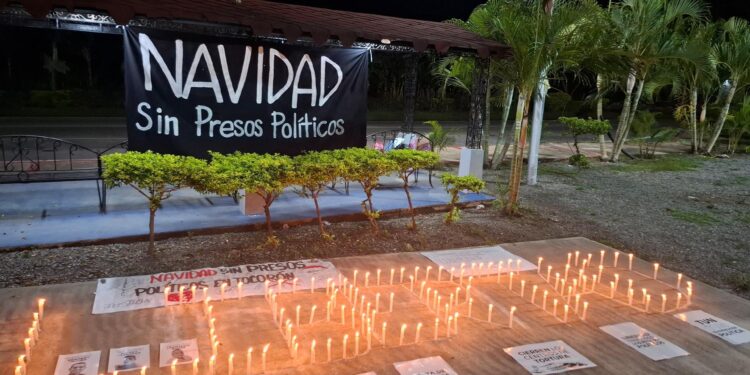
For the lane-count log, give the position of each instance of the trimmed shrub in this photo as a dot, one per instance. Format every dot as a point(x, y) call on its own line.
point(453, 185)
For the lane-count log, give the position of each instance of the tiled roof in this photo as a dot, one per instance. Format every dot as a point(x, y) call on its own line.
point(267, 18)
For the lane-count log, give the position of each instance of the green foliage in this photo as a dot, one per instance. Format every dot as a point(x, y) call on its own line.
point(155, 176)
point(265, 175)
point(439, 137)
point(453, 185)
point(699, 218)
point(556, 104)
point(579, 160)
point(646, 137)
point(365, 166)
point(578, 127)
point(668, 164)
point(738, 125)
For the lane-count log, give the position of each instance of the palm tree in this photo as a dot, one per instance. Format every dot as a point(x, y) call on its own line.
point(646, 29)
point(540, 41)
point(731, 54)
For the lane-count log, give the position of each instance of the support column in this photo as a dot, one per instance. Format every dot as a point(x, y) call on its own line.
point(410, 90)
point(471, 162)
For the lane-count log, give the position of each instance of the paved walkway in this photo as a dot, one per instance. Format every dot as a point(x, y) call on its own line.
point(43, 214)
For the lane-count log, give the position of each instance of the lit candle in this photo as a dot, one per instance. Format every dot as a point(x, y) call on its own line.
point(455, 322)
point(40, 307)
point(533, 293)
point(567, 269)
point(663, 303)
point(401, 338)
point(468, 292)
point(328, 349)
point(416, 273)
point(427, 273)
point(437, 327)
point(599, 275)
point(181, 294)
point(312, 284)
point(617, 255)
point(594, 281)
point(523, 287)
point(549, 272)
point(461, 276)
point(369, 335)
point(601, 257)
point(554, 307)
point(356, 343)
point(631, 292)
point(577, 254)
point(411, 283)
point(354, 318)
point(22, 362)
point(281, 314)
point(377, 301)
point(557, 280)
point(617, 281)
point(510, 317)
point(544, 300)
point(174, 367)
point(565, 313)
point(345, 340)
point(588, 259)
point(294, 285)
point(367, 279)
point(401, 278)
point(312, 352)
point(471, 302)
point(343, 314)
point(419, 328)
point(489, 313)
point(679, 280)
point(450, 300)
point(539, 266)
point(578, 300)
point(249, 361)
point(689, 294)
point(390, 305)
point(679, 298)
point(499, 270)
point(27, 347)
point(648, 301)
point(230, 364)
point(612, 289)
point(656, 270)
point(630, 261)
point(510, 281)
point(297, 315)
point(440, 273)
point(143, 370)
point(569, 255)
point(644, 293)
point(585, 309)
point(263, 357)
point(392, 271)
point(383, 332)
point(312, 313)
point(354, 279)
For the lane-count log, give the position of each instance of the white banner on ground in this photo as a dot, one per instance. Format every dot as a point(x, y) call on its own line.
point(129, 358)
point(142, 292)
point(479, 256)
point(78, 364)
point(644, 341)
point(551, 357)
point(183, 351)
point(425, 366)
point(721, 328)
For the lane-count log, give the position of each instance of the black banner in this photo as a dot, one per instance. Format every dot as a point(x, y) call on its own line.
point(188, 94)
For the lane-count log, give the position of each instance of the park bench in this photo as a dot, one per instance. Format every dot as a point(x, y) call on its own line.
point(387, 140)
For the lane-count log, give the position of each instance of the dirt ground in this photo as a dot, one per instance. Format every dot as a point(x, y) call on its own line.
point(695, 221)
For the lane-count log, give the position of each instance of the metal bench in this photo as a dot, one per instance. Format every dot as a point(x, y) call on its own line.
point(388, 140)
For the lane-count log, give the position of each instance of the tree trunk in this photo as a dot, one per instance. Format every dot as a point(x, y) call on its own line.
point(411, 207)
point(487, 112)
point(702, 121)
point(268, 199)
point(600, 114)
point(693, 120)
point(722, 118)
point(623, 126)
point(509, 91)
point(521, 128)
point(317, 213)
point(367, 205)
point(151, 228)
point(540, 96)
point(636, 102)
point(475, 131)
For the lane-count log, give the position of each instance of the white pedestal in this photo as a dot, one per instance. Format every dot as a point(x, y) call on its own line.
point(471, 163)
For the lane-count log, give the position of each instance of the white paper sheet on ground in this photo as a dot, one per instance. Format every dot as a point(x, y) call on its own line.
point(551, 357)
point(78, 364)
point(368, 373)
point(142, 292)
point(129, 358)
point(721, 328)
point(644, 341)
point(184, 351)
point(425, 366)
point(454, 258)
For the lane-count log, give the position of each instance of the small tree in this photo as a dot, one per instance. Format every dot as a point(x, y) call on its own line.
point(407, 162)
point(155, 176)
point(366, 166)
point(646, 137)
point(453, 185)
point(313, 171)
point(438, 136)
point(578, 127)
point(265, 175)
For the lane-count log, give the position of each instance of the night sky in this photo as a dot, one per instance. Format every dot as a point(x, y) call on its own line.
point(439, 10)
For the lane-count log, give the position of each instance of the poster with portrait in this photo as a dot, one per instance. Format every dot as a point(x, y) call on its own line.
point(552, 357)
point(184, 351)
point(78, 364)
point(425, 366)
point(129, 358)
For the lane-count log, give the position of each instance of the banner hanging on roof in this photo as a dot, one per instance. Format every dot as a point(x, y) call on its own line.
point(186, 94)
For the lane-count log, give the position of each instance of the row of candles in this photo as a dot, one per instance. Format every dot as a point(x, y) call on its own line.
point(32, 338)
